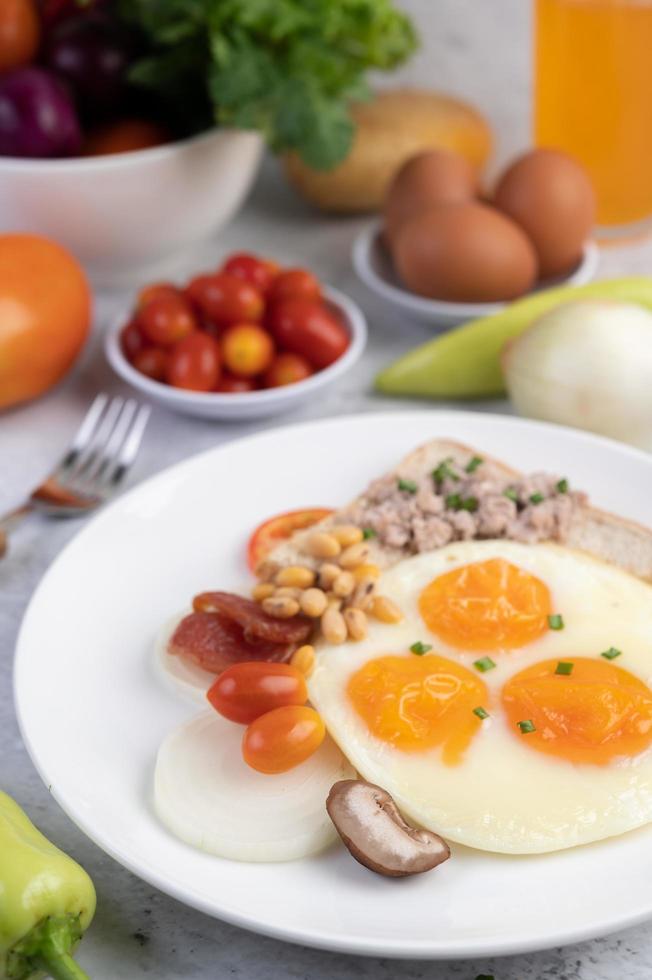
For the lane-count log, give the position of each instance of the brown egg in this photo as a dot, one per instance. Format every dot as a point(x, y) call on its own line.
point(465, 252)
point(425, 181)
point(551, 197)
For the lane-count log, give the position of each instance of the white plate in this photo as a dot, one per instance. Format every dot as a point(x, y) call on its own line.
point(374, 266)
point(93, 711)
point(250, 404)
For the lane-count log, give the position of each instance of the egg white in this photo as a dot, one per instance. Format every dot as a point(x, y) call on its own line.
point(504, 796)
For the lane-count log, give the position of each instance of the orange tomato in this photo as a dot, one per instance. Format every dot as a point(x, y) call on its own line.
point(282, 739)
point(125, 136)
point(276, 529)
point(20, 33)
point(247, 349)
point(45, 313)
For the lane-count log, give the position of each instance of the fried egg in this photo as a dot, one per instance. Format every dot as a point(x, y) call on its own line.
point(491, 713)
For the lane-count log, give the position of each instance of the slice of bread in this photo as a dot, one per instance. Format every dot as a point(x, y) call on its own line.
point(606, 536)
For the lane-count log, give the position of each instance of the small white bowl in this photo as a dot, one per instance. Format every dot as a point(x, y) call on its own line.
point(374, 267)
point(125, 213)
point(249, 404)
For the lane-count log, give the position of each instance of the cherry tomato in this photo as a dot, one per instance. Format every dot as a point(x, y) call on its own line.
point(165, 320)
point(157, 290)
point(276, 529)
point(153, 362)
point(259, 272)
point(132, 340)
point(229, 384)
point(308, 328)
point(247, 349)
point(20, 33)
point(286, 369)
point(194, 363)
point(282, 739)
point(124, 136)
point(294, 283)
point(247, 690)
point(225, 299)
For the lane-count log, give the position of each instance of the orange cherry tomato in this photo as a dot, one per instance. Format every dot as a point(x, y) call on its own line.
point(229, 384)
point(152, 362)
point(45, 315)
point(156, 290)
point(259, 272)
point(286, 369)
point(276, 529)
point(166, 319)
point(194, 363)
point(124, 136)
point(20, 33)
point(225, 300)
point(132, 340)
point(295, 283)
point(308, 328)
point(247, 690)
point(247, 349)
point(282, 739)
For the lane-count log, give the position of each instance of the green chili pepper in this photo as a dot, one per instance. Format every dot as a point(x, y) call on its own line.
point(46, 902)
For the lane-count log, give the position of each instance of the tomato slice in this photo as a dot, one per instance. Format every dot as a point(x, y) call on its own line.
point(276, 529)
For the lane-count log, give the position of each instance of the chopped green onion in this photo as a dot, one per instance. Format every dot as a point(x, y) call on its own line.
point(485, 976)
point(555, 622)
point(444, 470)
point(484, 664)
point(564, 667)
point(481, 713)
point(526, 727)
point(511, 494)
point(408, 485)
point(611, 653)
point(420, 648)
point(455, 501)
point(537, 498)
point(562, 486)
point(368, 532)
point(473, 464)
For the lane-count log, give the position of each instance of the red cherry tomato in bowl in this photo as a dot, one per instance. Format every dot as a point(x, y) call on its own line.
point(225, 300)
point(276, 529)
point(258, 272)
point(194, 363)
point(132, 340)
point(166, 319)
point(283, 738)
point(286, 369)
point(247, 690)
point(152, 362)
point(156, 290)
point(294, 283)
point(230, 385)
point(310, 329)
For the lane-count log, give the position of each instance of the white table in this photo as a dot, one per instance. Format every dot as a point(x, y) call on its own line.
point(139, 932)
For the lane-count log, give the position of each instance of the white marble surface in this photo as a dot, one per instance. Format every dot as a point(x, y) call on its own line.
point(474, 47)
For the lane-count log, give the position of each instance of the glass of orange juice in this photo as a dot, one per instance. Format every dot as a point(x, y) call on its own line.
point(593, 99)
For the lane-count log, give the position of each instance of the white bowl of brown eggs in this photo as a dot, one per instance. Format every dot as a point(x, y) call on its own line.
point(443, 255)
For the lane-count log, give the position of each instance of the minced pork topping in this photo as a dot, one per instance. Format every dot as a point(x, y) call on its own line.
point(460, 502)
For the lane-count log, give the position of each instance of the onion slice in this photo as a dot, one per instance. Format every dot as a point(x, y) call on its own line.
point(180, 673)
point(207, 796)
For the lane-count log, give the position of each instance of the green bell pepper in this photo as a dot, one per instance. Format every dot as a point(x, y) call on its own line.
point(46, 902)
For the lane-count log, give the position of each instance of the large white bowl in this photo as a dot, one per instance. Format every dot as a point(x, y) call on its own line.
point(374, 266)
point(249, 404)
point(123, 214)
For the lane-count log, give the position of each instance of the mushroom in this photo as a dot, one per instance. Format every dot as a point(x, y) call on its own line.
point(368, 821)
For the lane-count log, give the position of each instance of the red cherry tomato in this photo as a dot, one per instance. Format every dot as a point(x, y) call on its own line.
point(229, 384)
point(132, 340)
point(282, 739)
point(165, 320)
point(294, 283)
point(276, 529)
point(225, 300)
point(153, 362)
point(286, 369)
point(247, 349)
point(195, 363)
point(306, 327)
point(247, 690)
point(156, 290)
point(259, 272)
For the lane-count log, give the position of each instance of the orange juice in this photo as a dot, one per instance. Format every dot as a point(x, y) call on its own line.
point(593, 97)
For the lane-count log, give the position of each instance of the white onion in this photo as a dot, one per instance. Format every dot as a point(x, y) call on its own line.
point(180, 673)
point(208, 796)
point(587, 364)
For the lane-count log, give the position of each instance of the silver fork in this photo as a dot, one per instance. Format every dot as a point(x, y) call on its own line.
point(100, 456)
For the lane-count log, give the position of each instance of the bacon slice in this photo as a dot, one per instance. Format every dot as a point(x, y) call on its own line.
point(215, 642)
point(252, 618)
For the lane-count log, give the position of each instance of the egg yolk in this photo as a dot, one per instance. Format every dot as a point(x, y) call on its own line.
point(593, 714)
point(486, 605)
point(416, 703)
